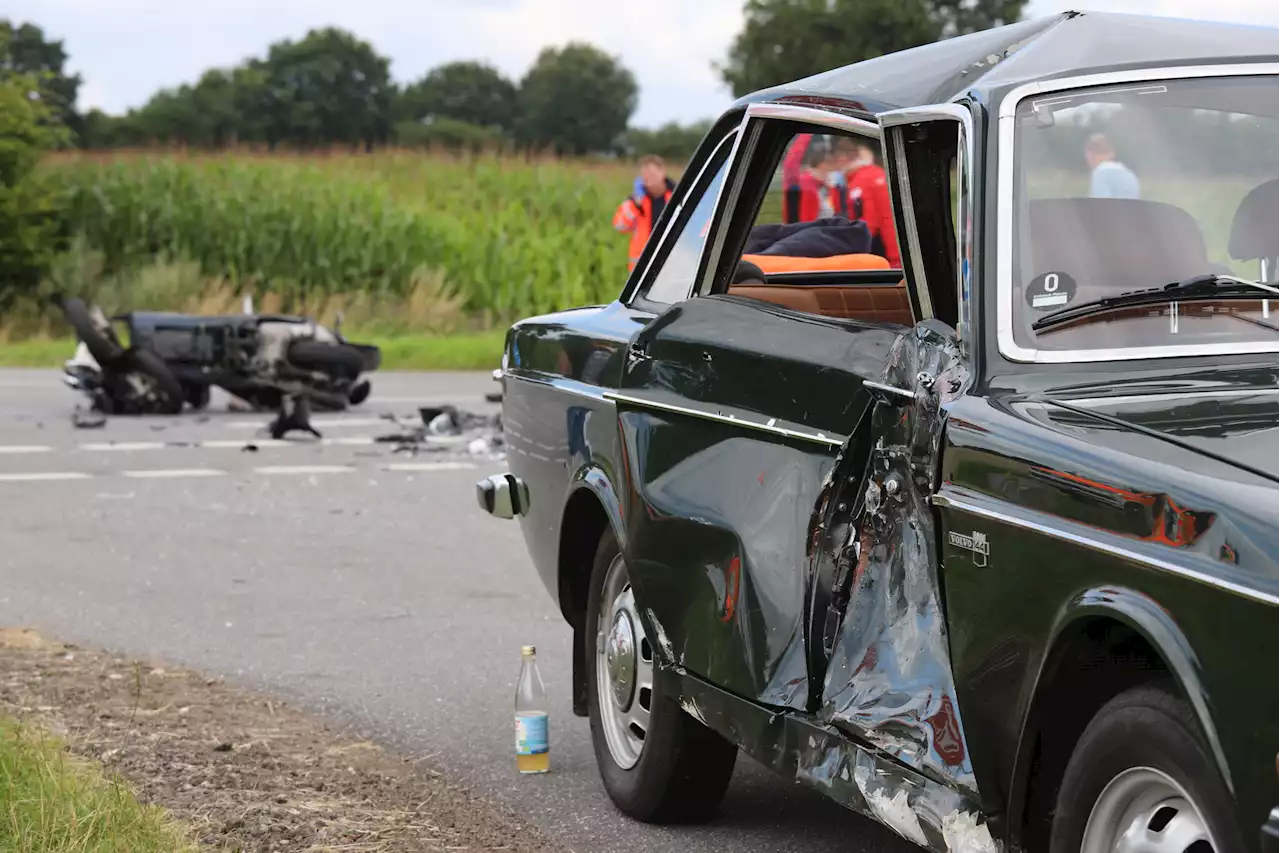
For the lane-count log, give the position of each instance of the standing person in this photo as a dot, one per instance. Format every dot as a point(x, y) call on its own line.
point(822, 185)
point(869, 202)
point(1111, 178)
point(792, 170)
point(649, 197)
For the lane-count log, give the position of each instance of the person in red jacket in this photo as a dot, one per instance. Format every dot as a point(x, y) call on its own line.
point(821, 186)
point(869, 202)
point(649, 197)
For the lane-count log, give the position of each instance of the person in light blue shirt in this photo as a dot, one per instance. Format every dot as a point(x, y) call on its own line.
point(1111, 178)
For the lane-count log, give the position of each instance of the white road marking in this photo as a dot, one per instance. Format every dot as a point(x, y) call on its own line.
point(428, 466)
point(31, 476)
point(168, 473)
point(303, 469)
point(25, 448)
point(122, 445)
point(318, 423)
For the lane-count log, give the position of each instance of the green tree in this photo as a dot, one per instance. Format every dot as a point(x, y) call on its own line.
point(32, 227)
point(576, 99)
point(25, 51)
point(328, 87)
point(785, 40)
point(672, 141)
point(471, 92)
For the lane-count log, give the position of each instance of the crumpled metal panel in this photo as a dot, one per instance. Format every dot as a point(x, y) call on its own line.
point(920, 809)
point(890, 679)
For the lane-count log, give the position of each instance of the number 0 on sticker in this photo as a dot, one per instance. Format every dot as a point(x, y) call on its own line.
point(1050, 291)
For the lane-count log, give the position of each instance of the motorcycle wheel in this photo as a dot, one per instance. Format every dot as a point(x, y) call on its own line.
point(335, 359)
point(164, 388)
point(104, 348)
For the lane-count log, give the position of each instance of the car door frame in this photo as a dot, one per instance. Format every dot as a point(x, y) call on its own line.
point(771, 687)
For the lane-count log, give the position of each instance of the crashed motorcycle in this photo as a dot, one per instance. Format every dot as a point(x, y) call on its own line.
point(173, 360)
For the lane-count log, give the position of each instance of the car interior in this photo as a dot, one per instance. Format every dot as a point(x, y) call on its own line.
point(846, 286)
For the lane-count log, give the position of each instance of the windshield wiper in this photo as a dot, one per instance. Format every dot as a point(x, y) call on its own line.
point(1211, 286)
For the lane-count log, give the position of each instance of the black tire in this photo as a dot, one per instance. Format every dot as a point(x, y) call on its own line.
point(359, 392)
point(104, 349)
point(684, 767)
point(169, 395)
point(196, 394)
point(334, 359)
point(1144, 727)
point(327, 401)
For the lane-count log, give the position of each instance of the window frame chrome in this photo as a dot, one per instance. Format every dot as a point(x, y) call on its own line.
point(892, 122)
point(748, 130)
point(639, 291)
point(1006, 342)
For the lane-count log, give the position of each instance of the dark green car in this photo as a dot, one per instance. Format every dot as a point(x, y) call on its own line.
point(982, 544)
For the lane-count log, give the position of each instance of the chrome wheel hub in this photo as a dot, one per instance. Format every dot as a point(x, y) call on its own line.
point(1143, 810)
point(620, 658)
point(623, 669)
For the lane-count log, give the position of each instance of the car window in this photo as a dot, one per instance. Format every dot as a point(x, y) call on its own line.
point(674, 280)
point(827, 208)
point(1131, 188)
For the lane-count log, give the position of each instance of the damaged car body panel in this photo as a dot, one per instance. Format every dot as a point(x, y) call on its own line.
point(914, 566)
point(889, 679)
point(730, 423)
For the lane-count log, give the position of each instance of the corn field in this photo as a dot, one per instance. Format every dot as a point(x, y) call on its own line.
point(510, 238)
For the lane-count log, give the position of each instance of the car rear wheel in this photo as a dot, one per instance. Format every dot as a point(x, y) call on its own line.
point(657, 762)
point(1141, 780)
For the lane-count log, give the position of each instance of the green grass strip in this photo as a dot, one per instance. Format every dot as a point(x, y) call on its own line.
point(51, 802)
point(461, 351)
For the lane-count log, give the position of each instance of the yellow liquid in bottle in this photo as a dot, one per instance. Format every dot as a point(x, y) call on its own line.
point(532, 755)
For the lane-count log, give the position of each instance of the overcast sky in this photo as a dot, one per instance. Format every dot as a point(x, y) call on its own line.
point(126, 49)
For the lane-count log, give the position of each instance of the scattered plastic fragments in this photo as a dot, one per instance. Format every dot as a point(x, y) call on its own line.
point(87, 418)
point(443, 428)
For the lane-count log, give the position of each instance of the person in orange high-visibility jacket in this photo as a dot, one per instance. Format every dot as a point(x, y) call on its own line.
point(649, 197)
point(869, 202)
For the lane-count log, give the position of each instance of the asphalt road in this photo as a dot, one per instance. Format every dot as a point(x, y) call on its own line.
point(360, 582)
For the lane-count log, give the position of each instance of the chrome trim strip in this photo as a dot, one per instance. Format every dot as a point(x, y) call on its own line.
point(813, 115)
point(1059, 532)
point(889, 389)
point(1008, 347)
point(719, 417)
point(561, 383)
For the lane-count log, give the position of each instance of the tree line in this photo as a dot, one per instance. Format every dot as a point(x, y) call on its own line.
point(330, 87)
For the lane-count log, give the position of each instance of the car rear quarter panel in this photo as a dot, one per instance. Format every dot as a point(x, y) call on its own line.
point(1188, 572)
point(561, 434)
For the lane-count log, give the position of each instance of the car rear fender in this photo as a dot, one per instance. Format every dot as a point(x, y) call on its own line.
point(591, 508)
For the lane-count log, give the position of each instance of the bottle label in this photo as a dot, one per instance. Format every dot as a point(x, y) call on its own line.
point(531, 734)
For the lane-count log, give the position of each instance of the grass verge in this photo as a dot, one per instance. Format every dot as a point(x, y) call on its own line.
point(454, 351)
point(51, 802)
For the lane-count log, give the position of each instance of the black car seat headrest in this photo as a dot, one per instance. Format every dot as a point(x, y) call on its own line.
point(1255, 229)
point(1110, 245)
point(748, 272)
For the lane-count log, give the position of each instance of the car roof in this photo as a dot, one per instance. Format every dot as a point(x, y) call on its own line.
point(1068, 44)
